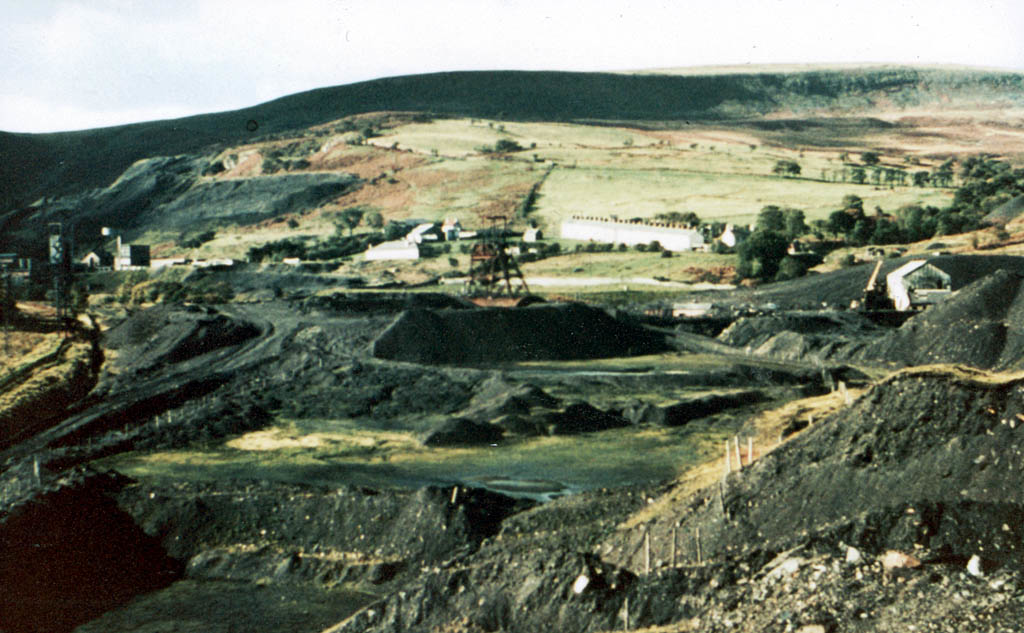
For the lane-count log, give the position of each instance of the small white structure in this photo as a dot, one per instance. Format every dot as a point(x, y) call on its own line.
point(672, 237)
point(532, 235)
point(424, 233)
point(99, 260)
point(451, 228)
point(164, 262)
point(398, 249)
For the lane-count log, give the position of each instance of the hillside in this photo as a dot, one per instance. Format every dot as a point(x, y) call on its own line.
point(32, 166)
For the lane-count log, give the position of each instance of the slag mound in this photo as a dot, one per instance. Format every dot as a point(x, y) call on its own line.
point(979, 326)
point(538, 332)
point(172, 334)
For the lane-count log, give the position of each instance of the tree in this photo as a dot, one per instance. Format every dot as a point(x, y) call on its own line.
point(921, 178)
point(761, 253)
point(771, 218)
point(869, 158)
point(862, 231)
point(840, 222)
point(795, 223)
point(786, 168)
point(858, 176)
point(886, 232)
point(851, 201)
point(374, 219)
point(350, 218)
point(507, 145)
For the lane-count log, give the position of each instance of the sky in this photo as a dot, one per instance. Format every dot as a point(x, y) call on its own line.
point(77, 64)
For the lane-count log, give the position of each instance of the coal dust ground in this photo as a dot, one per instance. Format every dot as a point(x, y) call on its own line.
point(318, 461)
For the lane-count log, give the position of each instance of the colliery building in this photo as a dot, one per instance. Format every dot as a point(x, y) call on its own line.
point(672, 237)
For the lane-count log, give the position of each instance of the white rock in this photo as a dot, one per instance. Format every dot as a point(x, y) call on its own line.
point(581, 583)
point(974, 566)
point(853, 556)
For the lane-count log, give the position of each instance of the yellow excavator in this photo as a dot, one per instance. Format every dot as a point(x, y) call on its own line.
point(875, 296)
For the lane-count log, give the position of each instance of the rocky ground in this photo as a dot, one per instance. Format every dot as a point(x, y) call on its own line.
point(901, 511)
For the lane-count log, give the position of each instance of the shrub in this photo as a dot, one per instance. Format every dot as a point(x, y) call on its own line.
point(790, 268)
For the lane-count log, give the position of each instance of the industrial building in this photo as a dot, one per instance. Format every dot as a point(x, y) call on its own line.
point(922, 282)
point(672, 237)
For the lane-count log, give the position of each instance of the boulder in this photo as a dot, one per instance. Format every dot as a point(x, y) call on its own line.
point(582, 418)
point(461, 431)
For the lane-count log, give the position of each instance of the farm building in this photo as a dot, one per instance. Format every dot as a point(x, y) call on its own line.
point(451, 228)
point(399, 249)
point(672, 237)
point(426, 232)
point(98, 260)
point(131, 256)
point(922, 282)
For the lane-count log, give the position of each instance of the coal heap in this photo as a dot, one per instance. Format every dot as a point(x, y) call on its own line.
point(539, 332)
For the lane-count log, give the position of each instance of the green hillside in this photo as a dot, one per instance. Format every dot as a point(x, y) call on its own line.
point(32, 166)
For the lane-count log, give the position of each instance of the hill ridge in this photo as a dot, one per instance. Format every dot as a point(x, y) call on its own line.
point(59, 163)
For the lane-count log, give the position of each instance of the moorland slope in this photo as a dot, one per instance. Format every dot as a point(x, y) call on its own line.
point(36, 165)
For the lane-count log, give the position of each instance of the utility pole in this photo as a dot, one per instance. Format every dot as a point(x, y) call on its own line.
point(60, 264)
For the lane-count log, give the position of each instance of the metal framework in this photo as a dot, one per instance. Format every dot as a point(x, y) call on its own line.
point(492, 268)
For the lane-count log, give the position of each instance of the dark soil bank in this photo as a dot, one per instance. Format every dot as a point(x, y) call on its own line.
point(72, 554)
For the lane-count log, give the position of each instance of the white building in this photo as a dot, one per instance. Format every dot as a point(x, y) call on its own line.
point(399, 249)
point(672, 237)
point(427, 232)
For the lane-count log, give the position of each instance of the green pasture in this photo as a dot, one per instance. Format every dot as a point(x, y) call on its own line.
point(624, 265)
point(734, 198)
point(461, 137)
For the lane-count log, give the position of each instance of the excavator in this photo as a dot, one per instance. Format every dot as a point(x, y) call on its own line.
point(875, 297)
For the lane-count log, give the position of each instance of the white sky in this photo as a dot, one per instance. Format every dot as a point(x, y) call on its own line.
point(88, 63)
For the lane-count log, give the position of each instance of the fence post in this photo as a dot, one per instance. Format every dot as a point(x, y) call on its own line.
point(647, 550)
point(625, 614)
point(699, 554)
point(673, 547)
point(728, 464)
point(736, 442)
point(750, 450)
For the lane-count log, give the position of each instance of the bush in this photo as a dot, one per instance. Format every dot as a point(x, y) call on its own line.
point(848, 260)
point(790, 268)
point(196, 240)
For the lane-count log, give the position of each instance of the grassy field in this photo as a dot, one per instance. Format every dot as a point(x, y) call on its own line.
point(721, 174)
point(335, 452)
point(735, 198)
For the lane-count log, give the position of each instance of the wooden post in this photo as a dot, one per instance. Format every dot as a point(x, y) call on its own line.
point(647, 550)
point(673, 547)
point(736, 442)
point(35, 468)
point(728, 464)
point(750, 450)
point(846, 394)
point(699, 561)
point(455, 494)
point(625, 614)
